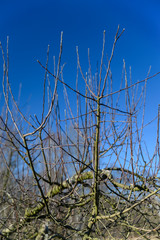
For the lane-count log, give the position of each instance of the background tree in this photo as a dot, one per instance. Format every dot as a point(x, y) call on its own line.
point(82, 173)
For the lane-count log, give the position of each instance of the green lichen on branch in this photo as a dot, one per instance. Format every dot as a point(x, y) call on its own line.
point(32, 213)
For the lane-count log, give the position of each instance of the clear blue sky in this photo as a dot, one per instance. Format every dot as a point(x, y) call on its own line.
point(32, 25)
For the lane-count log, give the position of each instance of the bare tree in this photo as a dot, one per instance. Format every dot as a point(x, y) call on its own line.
point(82, 173)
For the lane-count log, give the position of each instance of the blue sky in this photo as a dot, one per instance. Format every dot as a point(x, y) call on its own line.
point(32, 25)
